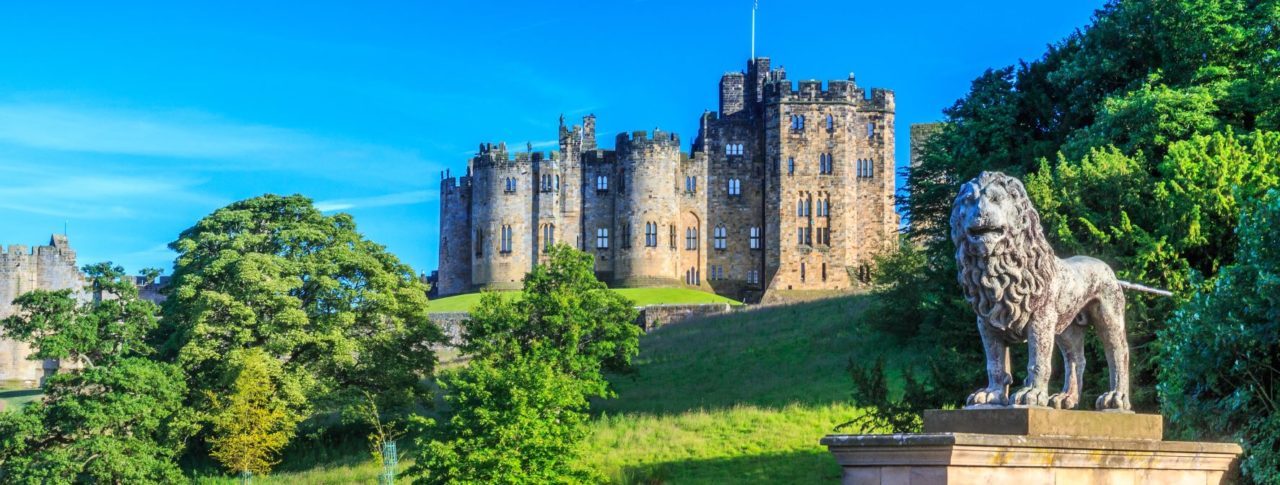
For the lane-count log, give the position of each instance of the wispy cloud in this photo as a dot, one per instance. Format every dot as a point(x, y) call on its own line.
point(400, 198)
point(194, 136)
point(60, 194)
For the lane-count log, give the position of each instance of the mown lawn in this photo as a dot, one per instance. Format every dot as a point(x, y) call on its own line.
point(641, 296)
point(740, 398)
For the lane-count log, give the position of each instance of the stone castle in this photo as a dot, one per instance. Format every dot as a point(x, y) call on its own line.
point(784, 189)
point(51, 267)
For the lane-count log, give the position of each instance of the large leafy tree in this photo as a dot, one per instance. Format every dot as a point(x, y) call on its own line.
point(115, 416)
point(340, 314)
point(516, 412)
point(1144, 133)
point(1221, 355)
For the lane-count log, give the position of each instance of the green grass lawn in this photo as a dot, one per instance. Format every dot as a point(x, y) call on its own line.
point(14, 394)
point(739, 398)
point(642, 297)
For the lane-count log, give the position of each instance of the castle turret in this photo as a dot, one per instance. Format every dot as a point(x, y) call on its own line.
point(648, 207)
point(456, 248)
point(500, 217)
point(51, 267)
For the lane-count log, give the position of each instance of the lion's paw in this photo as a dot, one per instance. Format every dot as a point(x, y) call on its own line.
point(1030, 396)
point(1113, 400)
point(1064, 400)
point(986, 396)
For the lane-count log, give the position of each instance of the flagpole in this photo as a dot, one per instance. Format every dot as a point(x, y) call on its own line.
point(754, 5)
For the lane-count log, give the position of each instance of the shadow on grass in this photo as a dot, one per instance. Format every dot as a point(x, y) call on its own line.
point(768, 357)
point(20, 393)
point(817, 466)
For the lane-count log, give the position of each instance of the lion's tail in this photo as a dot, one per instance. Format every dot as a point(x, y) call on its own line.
point(1144, 288)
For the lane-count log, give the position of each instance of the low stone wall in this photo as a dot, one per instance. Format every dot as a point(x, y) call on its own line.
point(451, 324)
point(654, 316)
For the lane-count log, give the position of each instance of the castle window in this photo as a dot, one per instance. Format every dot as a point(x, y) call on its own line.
point(557, 182)
point(479, 242)
point(602, 238)
point(735, 187)
point(824, 236)
point(791, 166)
point(548, 236)
point(602, 183)
point(721, 238)
point(755, 238)
point(692, 277)
point(691, 238)
point(511, 185)
point(651, 234)
point(797, 123)
point(866, 169)
point(831, 122)
point(871, 130)
point(733, 149)
point(825, 165)
point(808, 236)
point(800, 236)
point(626, 236)
point(753, 277)
point(824, 271)
point(802, 272)
point(691, 184)
point(505, 244)
point(672, 238)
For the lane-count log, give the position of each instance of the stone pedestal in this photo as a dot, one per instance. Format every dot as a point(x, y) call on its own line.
point(1031, 446)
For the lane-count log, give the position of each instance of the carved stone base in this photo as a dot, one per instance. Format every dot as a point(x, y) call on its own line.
point(1030, 453)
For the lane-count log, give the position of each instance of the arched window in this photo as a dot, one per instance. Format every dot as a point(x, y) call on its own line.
point(721, 238)
point(831, 122)
point(651, 234)
point(602, 183)
point(691, 238)
point(755, 238)
point(672, 236)
point(548, 236)
point(505, 244)
point(735, 187)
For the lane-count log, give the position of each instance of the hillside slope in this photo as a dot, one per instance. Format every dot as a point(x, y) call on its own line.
point(732, 399)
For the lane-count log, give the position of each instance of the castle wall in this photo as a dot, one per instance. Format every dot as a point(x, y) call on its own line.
point(51, 267)
point(652, 167)
point(599, 210)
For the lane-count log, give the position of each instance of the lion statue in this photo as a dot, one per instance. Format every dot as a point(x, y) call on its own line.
point(1022, 292)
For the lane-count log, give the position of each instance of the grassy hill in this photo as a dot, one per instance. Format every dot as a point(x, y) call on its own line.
point(739, 398)
point(642, 297)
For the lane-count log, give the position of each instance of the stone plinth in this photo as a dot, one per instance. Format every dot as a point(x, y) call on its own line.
point(1045, 422)
point(1031, 446)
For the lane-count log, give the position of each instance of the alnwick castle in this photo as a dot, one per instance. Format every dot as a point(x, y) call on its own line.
point(785, 188)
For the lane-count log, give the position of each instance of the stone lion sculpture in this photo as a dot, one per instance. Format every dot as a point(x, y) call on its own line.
point(1022, 292)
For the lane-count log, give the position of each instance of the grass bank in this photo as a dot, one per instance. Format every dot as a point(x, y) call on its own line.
point(641, 296)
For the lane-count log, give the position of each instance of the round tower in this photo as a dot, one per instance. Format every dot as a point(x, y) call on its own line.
point(502, 192)
point(648, 206)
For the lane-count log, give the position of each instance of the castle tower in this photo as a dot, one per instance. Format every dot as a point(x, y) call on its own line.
point(648, 206)
point(51, 267)
point(501, 219)
point(456, 247)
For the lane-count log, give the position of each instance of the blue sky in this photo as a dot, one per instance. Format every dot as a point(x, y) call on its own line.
point(127, 123)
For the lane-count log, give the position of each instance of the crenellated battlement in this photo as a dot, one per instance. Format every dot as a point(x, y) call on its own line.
point(639, 140)
point(840, 91)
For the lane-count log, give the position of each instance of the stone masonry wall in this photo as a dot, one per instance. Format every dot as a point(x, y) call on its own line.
point(51, 267)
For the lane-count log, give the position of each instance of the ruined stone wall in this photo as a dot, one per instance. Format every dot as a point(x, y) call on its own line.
point(651, 167)
point(51, 267)
point(456, 247)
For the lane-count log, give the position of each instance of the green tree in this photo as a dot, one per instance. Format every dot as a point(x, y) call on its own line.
point(1220, 372)
point(249, 424)
point(1159, 116)
point(119, 419)
point(338, 312)
point(516, 412)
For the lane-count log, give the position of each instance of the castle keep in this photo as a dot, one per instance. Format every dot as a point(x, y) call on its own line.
point(786, 188)
point(51, 267)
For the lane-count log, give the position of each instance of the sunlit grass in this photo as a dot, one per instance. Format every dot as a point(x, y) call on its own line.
point(641, 297)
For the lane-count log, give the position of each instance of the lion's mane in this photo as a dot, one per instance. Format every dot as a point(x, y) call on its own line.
point(1009, 286)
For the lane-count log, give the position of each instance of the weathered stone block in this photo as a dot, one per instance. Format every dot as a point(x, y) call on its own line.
point(1045, 422)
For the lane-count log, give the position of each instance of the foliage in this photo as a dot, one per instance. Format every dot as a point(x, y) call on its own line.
point(339, 313)
point(1159, 116)
point(517, 412)
point(121, 418)
point(250, 425)
point(1220, 372)
point(114, 325)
